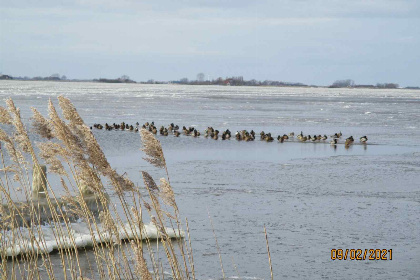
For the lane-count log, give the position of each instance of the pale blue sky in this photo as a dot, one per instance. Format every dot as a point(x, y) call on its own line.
point(309, 41)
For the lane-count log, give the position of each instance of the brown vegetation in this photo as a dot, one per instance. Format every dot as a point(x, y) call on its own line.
point(72, 153)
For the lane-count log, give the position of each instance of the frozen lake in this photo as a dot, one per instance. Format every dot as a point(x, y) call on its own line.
point(312, 197)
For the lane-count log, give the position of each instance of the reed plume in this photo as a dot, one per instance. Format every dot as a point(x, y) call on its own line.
point(94, 154)
point(15, 155)
point(167, 194)
point(5, 116)
point(153, 192)
point(21, 136)
point(69, 111)
point(41, 125)
point(153, 149)
point(50, 152)
point(63, 133)
point(149, 182)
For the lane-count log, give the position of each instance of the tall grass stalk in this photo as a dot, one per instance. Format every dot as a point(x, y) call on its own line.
point(91, 193)
point(73, 156)
point(268, 252)
point(217, 245)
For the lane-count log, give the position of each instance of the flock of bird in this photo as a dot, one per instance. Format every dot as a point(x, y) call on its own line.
point(242, 135)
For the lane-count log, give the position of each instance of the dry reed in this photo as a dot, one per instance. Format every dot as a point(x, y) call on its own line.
point(72, 154)
point(268, 252)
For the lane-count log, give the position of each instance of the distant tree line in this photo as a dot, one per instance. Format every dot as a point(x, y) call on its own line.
point(53, 77)
point(233, 81)
point(122, 79)
point(57, 77)
point(387, 85)
point(228, 81)
point(351, 84)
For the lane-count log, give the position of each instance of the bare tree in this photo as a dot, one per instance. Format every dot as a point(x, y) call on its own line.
point(200, 77)
point(343, 83)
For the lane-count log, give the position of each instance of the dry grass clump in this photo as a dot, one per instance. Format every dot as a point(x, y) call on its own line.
point(34, 215)
point(72, 154)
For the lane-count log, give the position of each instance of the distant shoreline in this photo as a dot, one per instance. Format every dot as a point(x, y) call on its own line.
point(207, 84)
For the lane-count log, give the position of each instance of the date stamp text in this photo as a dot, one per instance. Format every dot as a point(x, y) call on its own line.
point(361, 254)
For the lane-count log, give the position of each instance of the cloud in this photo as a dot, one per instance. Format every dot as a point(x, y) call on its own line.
point(263, 39)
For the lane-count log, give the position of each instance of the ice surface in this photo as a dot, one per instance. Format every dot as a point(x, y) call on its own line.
point(312, 197)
